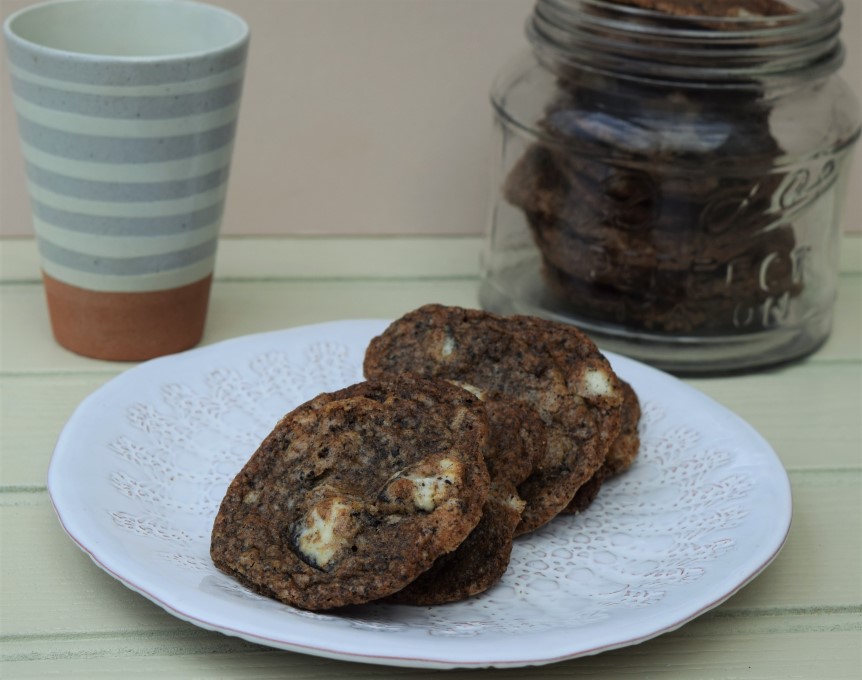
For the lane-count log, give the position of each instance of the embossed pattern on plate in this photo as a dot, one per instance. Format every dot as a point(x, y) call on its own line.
point(142, 465)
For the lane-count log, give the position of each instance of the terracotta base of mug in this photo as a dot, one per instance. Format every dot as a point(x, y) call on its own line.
point(127, 326)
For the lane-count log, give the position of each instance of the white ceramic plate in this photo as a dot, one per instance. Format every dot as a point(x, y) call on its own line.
point(142, 465)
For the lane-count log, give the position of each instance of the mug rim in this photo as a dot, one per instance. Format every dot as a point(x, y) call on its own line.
point(55, 52)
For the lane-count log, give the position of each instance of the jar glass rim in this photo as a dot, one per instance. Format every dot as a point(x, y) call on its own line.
point(646, 44)
point(724, 28)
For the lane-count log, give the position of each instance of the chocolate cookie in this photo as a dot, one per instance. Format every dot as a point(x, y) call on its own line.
point(659, 252)
point(678, 315)
point(644, 195)
point(763, 262)
point(728, 9)
point(600, 201)
point(477, 564)
point(517, 441)
point(587, 372)
point(568, 348)
point(356, 492)
point(625, 448)
point(621, 454)
point(578, 399)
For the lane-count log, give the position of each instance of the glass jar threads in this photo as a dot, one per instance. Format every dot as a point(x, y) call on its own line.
point(670, 175)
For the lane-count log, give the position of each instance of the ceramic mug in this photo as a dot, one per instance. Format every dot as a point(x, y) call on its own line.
point(127, 111)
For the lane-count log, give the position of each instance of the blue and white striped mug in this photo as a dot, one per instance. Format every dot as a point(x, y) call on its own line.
point(127, 111)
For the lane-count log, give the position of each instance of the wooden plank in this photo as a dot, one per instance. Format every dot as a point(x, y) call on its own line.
point(53, 587)
point(313, 257)
point(801, 647)
point(824, 425)
point(26, 340)
point(850, 254)
point(845, 343)
point(287, 301)
point(33, 410)
point(19, 260)
point(25, 332)
point(808, 413)
point(75, 597)
point(236, 308)
point(802, 577)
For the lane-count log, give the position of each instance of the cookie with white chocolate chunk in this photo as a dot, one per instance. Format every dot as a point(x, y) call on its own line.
point(621, 454)
point(620, 440)
point(356, 492)
point(516, 442)
point(555, 369)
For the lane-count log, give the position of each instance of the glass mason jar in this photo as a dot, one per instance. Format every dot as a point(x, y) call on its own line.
point(672, 184)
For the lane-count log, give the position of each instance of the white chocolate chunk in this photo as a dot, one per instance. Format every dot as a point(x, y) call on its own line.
point(472, 389)
point(430, 491)
point(596, 383)
point(516, 503)
point(323, 535)
point(448, 346)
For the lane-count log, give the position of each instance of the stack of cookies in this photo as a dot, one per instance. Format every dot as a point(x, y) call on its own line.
point(470, 429)
point(656, 206)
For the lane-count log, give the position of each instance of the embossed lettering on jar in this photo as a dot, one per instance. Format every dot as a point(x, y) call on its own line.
point(672, 182)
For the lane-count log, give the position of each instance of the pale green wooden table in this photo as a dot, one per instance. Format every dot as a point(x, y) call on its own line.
point(63, 617)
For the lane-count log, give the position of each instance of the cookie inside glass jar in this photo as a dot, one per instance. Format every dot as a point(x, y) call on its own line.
point(679, 251)
point(661, 183)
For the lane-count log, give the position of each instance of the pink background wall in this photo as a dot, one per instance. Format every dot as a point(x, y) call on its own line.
point(366, 117)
